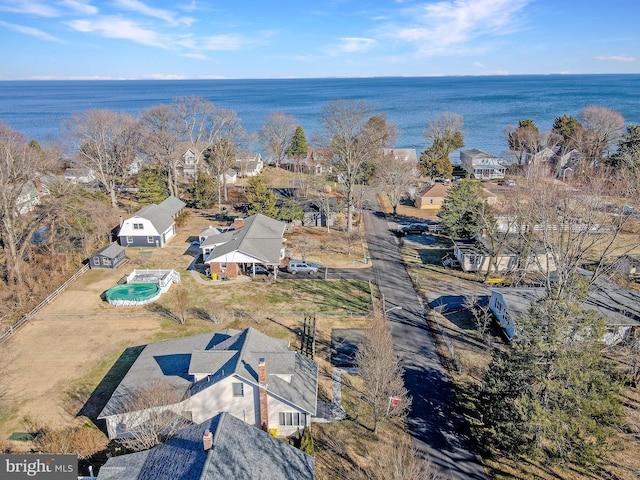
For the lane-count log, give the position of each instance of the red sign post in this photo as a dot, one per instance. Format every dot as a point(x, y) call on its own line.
point(394, 401)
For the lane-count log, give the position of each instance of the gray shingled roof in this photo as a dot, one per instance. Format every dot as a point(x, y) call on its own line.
point(260, 238)
point(172, 205)
point(158, 216)
point(617, 306)
point(240, 451)
point(219, 355)
point(111, 251)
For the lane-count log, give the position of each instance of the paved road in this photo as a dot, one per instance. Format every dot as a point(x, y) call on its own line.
point(434, 422)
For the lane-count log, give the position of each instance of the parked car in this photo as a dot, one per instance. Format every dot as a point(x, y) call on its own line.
point(413, 228)
point(299, 266)
point(258, 270)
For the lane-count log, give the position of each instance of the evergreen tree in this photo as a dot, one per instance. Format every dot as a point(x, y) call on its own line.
point(298, 147)
point(260, 198)
point(290, 210)
point(628, 153)
point(306, 442)
point(569, 128)
point(152, 185)
point(464, 210)
point(552, 394)
point(202, 192)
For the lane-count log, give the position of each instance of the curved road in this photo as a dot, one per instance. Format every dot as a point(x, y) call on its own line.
point(434, 422)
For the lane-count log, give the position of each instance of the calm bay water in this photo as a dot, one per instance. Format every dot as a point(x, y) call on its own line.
point(488, 104)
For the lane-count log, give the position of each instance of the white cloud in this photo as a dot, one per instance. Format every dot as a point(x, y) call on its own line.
point(81, 6)
point(116, 27)
point(455, 26)
point(34, 32)
point(617, 58)
point(197, 56)
point(30, 7)
point(356, 44)
point(159, 13)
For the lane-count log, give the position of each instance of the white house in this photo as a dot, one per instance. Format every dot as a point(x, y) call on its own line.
point(405, 154)
point(619, 307)
point(475, 255)
point(255, 378)
point(249, 165)
point(481, 164)
point(151, 226)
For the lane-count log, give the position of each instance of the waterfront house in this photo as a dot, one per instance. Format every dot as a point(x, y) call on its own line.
point(481, 165)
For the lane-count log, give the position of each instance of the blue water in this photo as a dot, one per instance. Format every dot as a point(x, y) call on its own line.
point(488, 104)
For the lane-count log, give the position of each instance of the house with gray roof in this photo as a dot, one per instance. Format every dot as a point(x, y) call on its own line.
point(257, 239)
point(111, 256)
point(619, 307)
point(252, 376)
point(151, 226)
point(481, 164)
point(222, 447)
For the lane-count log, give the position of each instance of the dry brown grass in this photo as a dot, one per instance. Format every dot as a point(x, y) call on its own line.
point(52, 366)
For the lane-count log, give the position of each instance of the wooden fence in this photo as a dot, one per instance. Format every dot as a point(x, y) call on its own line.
point(20, 323)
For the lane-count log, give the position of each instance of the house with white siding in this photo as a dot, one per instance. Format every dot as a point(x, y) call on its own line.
point(253, 377)
point(619, 307)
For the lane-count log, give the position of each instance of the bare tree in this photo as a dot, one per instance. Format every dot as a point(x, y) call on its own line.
point(182, 302)
point(400, 460)
point(199, 118)
point(381, 373)
point(356, 139)
point(228, 139)
point(106, 143)
point(155, 412)
point(162, 130)
point(446, 131)
point(276, 134)
point(481, 314)
point(19, 165)
point(603, 128)
point(395, 177)
point(572, 222)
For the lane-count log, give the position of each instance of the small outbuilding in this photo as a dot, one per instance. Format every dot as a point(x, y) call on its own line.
point(111, 256)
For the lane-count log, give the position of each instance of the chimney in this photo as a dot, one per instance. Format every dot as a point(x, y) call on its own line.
point(207, 440)
point(38, 184)
point(262, 392)
point(238, 223)
point(121, 221)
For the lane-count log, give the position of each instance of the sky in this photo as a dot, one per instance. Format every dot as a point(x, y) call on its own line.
point(158, 39)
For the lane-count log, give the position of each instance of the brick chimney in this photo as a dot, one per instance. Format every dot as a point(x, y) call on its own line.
point(262, 392)
point(238, 223)
point(207, 440)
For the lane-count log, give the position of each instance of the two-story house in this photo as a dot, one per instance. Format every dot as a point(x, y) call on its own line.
point(151, 226)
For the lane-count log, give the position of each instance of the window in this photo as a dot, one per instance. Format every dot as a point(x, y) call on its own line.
point(105, 261)
point(238, 389)
point(149, 239)
point(294, 419)
point(129, 239)
point(138, 226)
point(96, 260)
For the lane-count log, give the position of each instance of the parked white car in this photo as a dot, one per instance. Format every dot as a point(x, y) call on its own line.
point(299, 266)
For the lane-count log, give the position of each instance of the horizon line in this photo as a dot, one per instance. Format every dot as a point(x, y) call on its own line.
point(159, 77)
